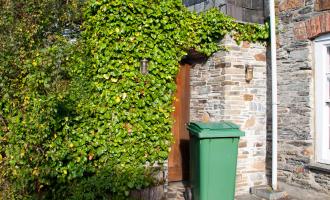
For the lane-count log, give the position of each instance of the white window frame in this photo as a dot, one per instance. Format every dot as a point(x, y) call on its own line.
point(322, 98)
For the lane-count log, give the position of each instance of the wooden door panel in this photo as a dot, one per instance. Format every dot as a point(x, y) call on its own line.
point(179, 156)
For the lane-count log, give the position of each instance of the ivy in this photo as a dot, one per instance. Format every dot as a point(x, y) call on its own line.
point(77, 118)
point(214, 25)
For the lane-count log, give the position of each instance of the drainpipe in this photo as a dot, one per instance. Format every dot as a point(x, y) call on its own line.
point(274, 93)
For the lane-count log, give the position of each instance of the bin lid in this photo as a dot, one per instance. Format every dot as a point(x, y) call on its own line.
point(214, 129)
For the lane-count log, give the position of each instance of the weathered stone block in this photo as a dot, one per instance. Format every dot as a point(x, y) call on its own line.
point(305, 10)
point(204, 90)
point(199, 7)
point(221, 4)
point(286, 5)
point(222, 65)
point(254, 16)
point(246, 44)
point(209, 4)
point(325, 22)
point(313, 27)
point(259, 166)
point(246, 3)
point(257, 4)
point(224, 83)
point(236, 11)
point(242, 143)
point(188, 2)
point(260, 57)
point(234, 71)
point(259, 144)
point(239, 66)
point(321, 5)
point(250, 122)
point(300, 31)
point(248, 97)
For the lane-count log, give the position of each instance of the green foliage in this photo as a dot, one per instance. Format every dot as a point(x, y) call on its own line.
point(77, 119)
point(214, 25)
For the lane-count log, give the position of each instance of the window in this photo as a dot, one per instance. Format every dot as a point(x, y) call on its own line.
point(322, 94)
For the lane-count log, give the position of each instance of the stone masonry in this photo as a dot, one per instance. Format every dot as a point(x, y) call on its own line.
point(219, 91)
point(300, 21)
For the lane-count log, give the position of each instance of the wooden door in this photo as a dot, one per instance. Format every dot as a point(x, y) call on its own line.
point(179, 156)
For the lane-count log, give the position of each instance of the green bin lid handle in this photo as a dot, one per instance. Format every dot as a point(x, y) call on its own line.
point(214, 125)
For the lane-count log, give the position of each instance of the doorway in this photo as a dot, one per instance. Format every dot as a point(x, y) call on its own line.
point(179, 155)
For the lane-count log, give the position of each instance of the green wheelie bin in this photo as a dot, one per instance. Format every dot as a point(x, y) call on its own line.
point(213, 159)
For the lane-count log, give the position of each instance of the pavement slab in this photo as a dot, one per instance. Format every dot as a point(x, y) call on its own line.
point(177, 190)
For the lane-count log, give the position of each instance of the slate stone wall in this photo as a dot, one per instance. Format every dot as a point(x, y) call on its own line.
point(219, 92)
point(242, 10)
point(300, 21)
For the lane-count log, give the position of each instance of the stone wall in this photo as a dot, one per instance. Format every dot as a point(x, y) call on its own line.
point(299, 22)
point(242, 10)
point(219, 91)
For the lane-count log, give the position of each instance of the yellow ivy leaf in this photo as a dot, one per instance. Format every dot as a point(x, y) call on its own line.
point(34, 63)
point(106, 76)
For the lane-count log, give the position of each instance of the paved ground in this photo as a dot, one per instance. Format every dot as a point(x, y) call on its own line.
point(177, 191)
point(252, 197)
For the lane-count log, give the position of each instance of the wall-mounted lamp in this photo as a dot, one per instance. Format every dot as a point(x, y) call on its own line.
point(144, 66)
point(248, 73)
